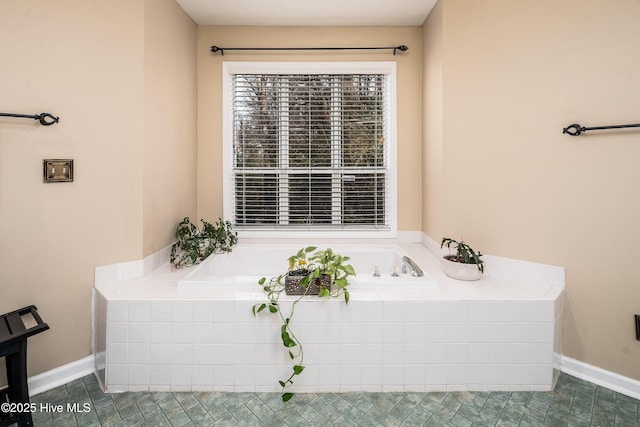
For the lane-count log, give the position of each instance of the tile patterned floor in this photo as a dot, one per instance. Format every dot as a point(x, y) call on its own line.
point(573, 403)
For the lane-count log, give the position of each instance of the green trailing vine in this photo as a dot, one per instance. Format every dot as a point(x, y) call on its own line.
point(194, 244)
point(312, 268)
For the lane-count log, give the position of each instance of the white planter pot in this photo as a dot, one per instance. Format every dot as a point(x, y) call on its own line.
point(460, 271)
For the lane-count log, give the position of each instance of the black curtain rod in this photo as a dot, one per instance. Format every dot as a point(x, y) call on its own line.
point(401, 48)
point(45, 119)
point(576, 129)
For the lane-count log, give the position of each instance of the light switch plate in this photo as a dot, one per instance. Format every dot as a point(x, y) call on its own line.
point(58, 170)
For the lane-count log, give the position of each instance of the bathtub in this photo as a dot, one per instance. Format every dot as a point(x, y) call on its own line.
point(193, 329)
point(246, 264)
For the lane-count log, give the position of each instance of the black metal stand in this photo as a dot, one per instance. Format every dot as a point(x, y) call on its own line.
point(13, 346)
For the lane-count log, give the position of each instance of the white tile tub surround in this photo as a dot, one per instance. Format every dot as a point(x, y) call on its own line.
point(499, 333)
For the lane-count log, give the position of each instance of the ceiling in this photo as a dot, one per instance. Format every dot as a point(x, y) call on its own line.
point(307, 12)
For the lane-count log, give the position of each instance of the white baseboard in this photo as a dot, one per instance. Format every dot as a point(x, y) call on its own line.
point(601, 377)
point(61, 375)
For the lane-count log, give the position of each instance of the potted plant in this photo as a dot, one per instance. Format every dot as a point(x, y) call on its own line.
point(194, 244)
point(297, 281)
point(314, 276)
point(324, 272)
point(465, 264)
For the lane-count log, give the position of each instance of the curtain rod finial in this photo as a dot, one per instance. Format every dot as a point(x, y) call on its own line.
point(573, 129)
point(47, 119)
point(401, 48)
point(215, 49)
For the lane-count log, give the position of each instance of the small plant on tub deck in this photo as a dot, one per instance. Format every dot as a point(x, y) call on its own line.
point(314, 266)
point(464, 253)
point(194, 245)
point(466, 264)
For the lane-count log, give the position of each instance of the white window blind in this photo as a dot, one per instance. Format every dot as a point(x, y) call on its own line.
point(310, 151)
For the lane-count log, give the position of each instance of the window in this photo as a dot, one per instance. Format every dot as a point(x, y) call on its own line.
point(310, 146)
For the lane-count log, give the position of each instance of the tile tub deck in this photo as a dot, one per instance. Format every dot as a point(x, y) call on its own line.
point(499, 333)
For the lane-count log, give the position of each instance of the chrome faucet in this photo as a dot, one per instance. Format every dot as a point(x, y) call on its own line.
point(408, 265)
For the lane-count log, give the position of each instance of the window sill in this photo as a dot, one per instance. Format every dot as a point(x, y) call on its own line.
point(317, 234)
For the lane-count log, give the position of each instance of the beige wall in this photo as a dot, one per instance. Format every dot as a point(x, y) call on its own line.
point(409, 68)
point(84, 61)
point(432, 123)
point(513, 75)
point(169, 150)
